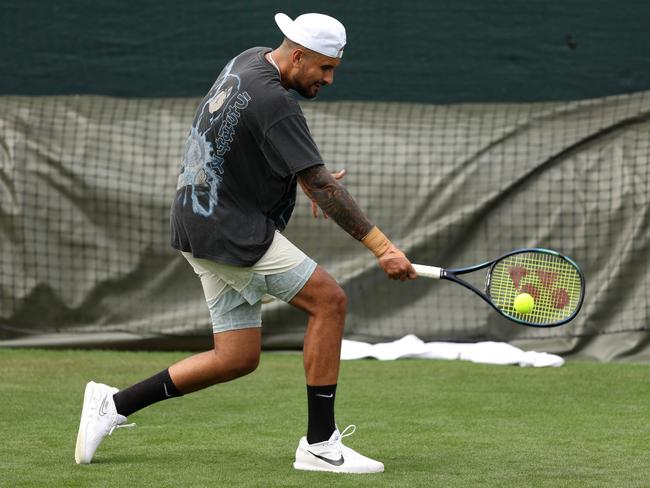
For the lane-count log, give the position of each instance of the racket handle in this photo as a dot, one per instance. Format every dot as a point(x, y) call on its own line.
point(428, 271)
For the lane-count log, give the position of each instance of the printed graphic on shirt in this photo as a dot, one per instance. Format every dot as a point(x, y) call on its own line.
point(210, 140)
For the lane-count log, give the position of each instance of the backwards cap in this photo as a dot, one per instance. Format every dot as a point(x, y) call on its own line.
point(318, 32)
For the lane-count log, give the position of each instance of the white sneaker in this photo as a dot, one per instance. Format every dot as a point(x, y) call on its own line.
point(98, 419)
point(333, 456)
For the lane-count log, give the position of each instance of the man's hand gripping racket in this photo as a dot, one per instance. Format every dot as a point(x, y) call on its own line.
point(390, 258)
point(555, 283)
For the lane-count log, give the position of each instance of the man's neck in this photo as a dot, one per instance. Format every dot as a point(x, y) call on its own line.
point(272, 57)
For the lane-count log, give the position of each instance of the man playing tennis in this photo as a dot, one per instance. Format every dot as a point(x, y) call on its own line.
point(248, 147)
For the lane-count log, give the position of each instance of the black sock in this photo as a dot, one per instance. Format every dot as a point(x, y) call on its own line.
point(320, 405)
point(159, 387)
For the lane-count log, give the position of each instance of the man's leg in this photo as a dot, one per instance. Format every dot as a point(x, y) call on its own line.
point(322, 450)
point(236, 353)
point(325, 302)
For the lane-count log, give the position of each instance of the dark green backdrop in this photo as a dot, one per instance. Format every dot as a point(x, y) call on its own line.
point(429, 51)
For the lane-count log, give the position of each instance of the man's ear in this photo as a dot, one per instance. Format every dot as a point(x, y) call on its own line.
point(297, 55)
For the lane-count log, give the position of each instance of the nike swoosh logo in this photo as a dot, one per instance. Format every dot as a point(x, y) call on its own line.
point(166, 392)
point(333, 462)
point(103, 408)
point(331, 395)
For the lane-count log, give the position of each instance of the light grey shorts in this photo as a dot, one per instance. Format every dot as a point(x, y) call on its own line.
point(235, 294)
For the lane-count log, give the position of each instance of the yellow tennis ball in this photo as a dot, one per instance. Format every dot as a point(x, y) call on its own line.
point(524, 303)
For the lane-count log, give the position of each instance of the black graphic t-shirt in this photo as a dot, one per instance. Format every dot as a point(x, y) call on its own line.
point(237, 181)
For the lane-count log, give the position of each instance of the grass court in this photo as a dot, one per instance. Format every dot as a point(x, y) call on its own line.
point(432, 423)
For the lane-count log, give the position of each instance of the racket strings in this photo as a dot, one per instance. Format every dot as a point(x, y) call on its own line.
point(553, 282)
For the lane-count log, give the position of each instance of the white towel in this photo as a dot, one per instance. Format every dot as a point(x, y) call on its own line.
point(411, 346)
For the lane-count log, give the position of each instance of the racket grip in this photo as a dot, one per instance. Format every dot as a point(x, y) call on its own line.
point(428, 271)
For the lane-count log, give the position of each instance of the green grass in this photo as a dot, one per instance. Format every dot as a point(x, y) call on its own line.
point(432, 423)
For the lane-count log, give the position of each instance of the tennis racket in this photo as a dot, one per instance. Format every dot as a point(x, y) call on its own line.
point(555, 282)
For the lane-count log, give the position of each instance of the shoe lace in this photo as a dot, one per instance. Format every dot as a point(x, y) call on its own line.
point(349, 430)
point(121, 426)
point(352, 428)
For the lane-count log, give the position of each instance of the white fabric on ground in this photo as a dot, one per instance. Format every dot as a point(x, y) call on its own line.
point(411, 346)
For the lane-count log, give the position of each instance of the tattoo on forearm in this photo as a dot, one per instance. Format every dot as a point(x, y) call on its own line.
point(335, 201)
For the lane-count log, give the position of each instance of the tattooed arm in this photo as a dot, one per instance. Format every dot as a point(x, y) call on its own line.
point(336, 202)
point(314, 206)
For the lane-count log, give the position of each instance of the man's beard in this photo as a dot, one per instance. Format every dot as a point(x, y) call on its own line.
point(306, 93)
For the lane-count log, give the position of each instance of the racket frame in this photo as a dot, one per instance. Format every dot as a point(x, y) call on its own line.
point(452, 275)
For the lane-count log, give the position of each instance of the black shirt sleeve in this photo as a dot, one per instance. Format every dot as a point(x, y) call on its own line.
point(289, 147)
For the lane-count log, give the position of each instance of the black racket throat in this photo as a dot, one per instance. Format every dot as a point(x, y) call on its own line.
point(451, 276)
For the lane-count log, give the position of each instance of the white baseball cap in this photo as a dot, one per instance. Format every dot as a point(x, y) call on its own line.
point(318, 32)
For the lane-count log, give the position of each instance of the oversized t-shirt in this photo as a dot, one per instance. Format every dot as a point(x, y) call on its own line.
point(237, 181)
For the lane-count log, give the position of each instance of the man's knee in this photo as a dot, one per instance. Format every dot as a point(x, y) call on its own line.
point(339, 299)
point(245, 365)
point(237, 365)
point(237, 353)
point(333, 301)
point(322, 295)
